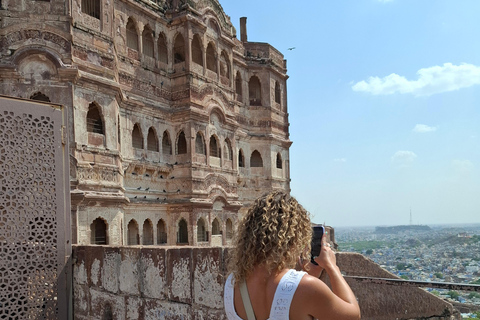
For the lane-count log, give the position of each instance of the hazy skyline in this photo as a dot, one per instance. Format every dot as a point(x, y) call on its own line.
point(383, 105)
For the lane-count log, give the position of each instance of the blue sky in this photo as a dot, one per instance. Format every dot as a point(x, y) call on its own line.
point(384, 105)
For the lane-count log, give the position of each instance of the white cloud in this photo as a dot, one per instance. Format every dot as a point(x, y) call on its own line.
point(432, 80)
point(462, 167)
point(343, 160)
point(403, 158)
point(423, 128)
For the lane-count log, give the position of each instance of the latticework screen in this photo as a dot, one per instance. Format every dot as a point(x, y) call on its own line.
point(34, 226)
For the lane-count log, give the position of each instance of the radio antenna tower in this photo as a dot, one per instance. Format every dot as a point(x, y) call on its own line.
point(411, 216)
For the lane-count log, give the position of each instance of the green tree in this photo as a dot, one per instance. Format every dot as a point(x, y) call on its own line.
point(404, 277)
point(436, 292)
point(369, 252)
point(439, 275)
point(476, 281)
point(473, 295)
point(401, 266)
point(453, 294)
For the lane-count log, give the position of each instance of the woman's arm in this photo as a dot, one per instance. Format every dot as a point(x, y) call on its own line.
point(340, 302)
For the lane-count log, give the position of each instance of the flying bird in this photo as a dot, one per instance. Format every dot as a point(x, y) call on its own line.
point(291, 48)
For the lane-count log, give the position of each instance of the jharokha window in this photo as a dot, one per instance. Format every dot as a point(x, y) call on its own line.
point(132, 36)
point(91, 7)
point(255, 91)
point(179, 49)
point(147, 42)
point(94, 120)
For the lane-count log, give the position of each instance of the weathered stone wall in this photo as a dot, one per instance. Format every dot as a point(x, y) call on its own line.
point(187, 283)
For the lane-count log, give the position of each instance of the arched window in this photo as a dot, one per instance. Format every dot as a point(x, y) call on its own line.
point(255, 91)
point(215, 227)
point(162, 49)
point(166, 143)
point(201, 231)
point(241, 159)
point(137, 137)
point(181, 144)
point(238, 86)
point(118, 130)
point(147, 42)
point(147, 233)
point(200, 144)
point(161, 232)
point(197, 52)
point(214, 147)
point(98, 230)
point(91, 7)
point(256, 160)
point(279, 161)
point(179, 49)
point(211, 58)
point(132, 36)
point(277, 92)
point(224, 65)
point(152, 141)
point(94, 119)
point(182, 234)
point(38, 96)
point(132, 233)
point(229, 226)
point(227, 152)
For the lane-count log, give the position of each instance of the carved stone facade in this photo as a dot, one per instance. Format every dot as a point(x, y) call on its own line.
point(176, 126)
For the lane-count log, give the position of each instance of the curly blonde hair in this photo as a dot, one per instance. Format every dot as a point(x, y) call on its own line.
point(274, 233)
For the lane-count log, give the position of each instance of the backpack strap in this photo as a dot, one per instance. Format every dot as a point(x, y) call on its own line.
point(246, 301)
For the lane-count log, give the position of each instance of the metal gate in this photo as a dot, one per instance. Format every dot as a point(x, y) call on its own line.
point(34, 211)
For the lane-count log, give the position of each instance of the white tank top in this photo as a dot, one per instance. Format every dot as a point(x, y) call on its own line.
point(281, 301)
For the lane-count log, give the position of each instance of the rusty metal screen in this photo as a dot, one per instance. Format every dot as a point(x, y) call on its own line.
point(34, 206)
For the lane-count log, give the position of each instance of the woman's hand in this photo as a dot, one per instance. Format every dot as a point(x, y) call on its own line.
point(326, 259)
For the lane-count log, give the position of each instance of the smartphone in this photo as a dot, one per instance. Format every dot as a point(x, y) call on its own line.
point(317, 235)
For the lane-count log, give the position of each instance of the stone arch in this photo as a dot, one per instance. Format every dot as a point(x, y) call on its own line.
point(238, 86)
point(132, 35)
point(227, 150)
point(225, 65)
point(255, 91)
point(133, 236)
point(279, 162)
point(181, 143)
point(200, 144)
point(147, 232)
point(217, 116)
point(152, 140)
point(197, 50)
point(166, 143)
point(241, 159)
point(182, 232)
point(162, 48)
point(278, 93)
point(161, 232)
point(95, 119)
point(201, 231)
point(148, 42)
point(215, 227)
point(213, 25)
point(256, 160)
point(137, 137)
point(211, 57)
point(39, 96)
point(37, 65)
point(98, 231)
point(179, 49)
point(229, 229)
point(214, 147)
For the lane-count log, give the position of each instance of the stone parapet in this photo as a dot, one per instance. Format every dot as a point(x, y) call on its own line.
point(187, 283)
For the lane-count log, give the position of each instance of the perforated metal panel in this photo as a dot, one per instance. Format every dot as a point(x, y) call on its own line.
point(34, 206)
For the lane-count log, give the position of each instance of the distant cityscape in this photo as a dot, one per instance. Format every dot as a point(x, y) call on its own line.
point(435, 253)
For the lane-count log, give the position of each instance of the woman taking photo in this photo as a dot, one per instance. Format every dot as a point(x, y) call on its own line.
point(272, 238)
